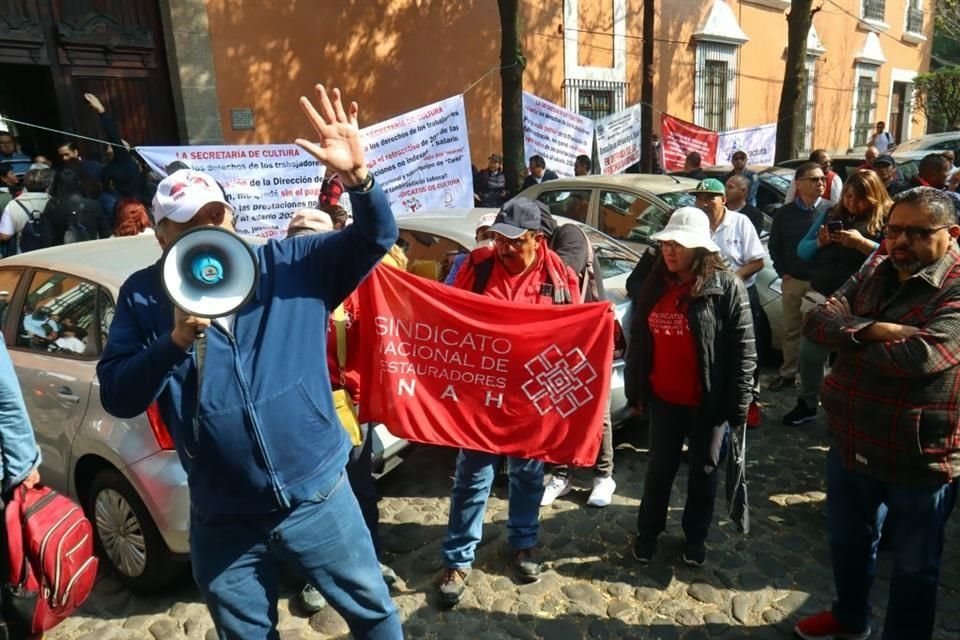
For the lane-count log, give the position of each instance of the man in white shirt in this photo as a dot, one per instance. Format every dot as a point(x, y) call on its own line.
point(739, 244)
point(32, 201)
point(881, 139)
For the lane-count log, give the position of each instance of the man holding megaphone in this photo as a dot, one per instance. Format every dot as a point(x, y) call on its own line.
point(258, 434)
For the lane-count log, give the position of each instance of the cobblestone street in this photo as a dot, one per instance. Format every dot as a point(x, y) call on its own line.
point(752, 587)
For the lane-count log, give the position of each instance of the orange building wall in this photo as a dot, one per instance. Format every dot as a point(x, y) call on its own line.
point(396, 55)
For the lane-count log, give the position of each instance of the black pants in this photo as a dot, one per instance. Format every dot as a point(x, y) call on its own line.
point(670, 424)
point(761, 329)
point(360, 474)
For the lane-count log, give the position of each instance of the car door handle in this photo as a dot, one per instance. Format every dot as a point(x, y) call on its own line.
point(66, 393)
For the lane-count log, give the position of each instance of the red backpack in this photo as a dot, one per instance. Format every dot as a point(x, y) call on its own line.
point(51, 568)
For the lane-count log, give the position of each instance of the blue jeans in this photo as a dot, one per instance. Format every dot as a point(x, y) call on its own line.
point(468, 502)
point(236, 564)
point(857, 506)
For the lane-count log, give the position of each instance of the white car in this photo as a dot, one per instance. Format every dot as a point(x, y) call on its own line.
point(56, 306)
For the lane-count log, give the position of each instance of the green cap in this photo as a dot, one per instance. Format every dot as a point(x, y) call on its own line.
point(710, 185)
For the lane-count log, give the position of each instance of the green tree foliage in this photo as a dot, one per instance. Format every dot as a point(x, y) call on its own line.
point(937, 96)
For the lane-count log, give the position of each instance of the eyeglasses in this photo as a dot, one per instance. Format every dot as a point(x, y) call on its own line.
point(516, 243)
point(816, 179)
point(670, 245)
point(894, 231)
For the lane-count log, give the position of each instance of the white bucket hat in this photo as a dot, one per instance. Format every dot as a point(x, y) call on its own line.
point(689, 227)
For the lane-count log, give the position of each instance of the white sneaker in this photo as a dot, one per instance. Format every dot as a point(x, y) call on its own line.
point(602, 494)
point(558, 486)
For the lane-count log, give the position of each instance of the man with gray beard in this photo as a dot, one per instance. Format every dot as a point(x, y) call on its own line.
point(892, 410)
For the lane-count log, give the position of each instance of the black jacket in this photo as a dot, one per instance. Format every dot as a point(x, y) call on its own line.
point(547, 176)
point(721, 322)
point(491, 188)
point(755, 216)
point(790, 225)
point(84, 214)
point(834, 263)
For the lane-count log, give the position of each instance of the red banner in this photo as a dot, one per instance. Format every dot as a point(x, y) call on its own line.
point(448, 367)
point(678, 138)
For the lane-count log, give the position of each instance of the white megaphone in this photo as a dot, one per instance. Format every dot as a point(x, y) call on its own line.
point(209, 272)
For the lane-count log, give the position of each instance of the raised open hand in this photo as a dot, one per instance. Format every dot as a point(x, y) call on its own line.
point(94, 102)
point(340, 147)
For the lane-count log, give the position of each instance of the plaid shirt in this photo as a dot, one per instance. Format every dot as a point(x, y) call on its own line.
point(894, 407)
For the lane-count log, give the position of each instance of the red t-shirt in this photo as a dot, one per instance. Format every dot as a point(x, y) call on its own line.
point(675, 376)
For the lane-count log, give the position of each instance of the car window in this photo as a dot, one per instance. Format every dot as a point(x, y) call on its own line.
point(677, 199)
point(908, 169)
point(569, 203)
point(58, 315)
point(9, 279)
point(107, 309)
point(628, 216)
point(429, 255)
point(615, 259)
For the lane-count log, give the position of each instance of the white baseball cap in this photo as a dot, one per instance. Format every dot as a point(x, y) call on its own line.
point(689, 227)
point(181, 194)
point(486, 220)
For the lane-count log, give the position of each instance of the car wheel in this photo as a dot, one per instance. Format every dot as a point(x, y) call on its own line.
point(126, 536)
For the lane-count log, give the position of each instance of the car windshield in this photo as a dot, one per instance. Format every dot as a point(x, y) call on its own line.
point(615, 259)
point(677, 199)
point(779, 181)
point(917, 144)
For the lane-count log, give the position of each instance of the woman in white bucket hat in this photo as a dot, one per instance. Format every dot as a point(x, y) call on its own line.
point(690, 365)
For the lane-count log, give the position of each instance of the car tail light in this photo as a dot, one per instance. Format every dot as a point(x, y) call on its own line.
point(619, 342)
point(159, 428)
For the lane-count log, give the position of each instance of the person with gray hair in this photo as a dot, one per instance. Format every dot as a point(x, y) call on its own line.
point(27, 206)
point(891, 406)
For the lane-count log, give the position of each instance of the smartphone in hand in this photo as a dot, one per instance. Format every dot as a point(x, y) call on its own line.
point(834, 225)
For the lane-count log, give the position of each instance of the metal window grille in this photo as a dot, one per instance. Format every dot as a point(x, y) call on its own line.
point(915, 20)
point(595, 98)
point(595, 104)
point(809, 98)
point(715, 93)
point(866, 90)
point(874, 9)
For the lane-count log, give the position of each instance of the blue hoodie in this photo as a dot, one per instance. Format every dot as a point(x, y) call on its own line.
point(266, 435)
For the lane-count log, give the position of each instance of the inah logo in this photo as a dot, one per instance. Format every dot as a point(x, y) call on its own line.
point(559, 381)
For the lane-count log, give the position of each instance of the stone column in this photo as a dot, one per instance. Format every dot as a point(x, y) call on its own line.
point(192, 74)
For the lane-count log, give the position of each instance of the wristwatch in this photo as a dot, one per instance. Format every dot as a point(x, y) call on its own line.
point(364, 186)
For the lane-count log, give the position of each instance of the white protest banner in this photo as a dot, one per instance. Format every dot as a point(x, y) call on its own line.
point(555, 133)
point(759, 143)
point(618, 140)
point(264, 183)
point(422, 158)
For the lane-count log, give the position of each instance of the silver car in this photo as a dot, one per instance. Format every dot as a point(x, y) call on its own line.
point(631, 208)
point(433, 238)
point(56, 306)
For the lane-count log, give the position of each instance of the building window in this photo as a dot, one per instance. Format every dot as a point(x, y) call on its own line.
point(809, 106)
point(865, 104)
point(874, 9)
point(715, 82)
point(914, 22)
point(595, 104)
point(595, 99)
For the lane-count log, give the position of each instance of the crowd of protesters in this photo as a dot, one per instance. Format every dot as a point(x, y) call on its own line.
point(869, 271)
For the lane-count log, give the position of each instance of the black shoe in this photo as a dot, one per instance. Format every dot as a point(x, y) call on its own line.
point(529, 565)
point(780, 383)
point(694, 553)
point(800, 414)
point(453, 582)
point(644, 549)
